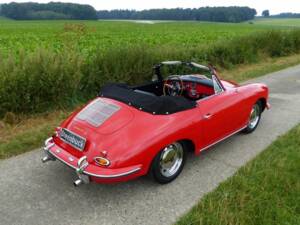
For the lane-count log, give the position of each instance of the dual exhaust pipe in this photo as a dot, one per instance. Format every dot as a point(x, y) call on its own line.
point(82, 179)
point(82, 164)
point(47, 158)
point(78, 182)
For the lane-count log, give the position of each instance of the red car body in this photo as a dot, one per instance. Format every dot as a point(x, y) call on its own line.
point(130, 139)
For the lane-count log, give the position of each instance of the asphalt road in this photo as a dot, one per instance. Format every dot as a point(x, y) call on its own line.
point(35, 193)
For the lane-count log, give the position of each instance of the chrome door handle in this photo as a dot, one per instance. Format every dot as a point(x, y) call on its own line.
point(207, 116)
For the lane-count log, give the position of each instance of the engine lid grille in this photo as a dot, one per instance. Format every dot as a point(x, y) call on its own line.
point(97, 112)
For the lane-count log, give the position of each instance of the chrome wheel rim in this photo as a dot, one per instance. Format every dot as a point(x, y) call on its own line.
point(254, 116)
point(171, 159)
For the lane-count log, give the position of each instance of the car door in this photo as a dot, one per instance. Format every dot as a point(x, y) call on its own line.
point(221, 115)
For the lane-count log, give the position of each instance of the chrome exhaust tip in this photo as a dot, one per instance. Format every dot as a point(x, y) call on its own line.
point(78, 182)
point(46, 159)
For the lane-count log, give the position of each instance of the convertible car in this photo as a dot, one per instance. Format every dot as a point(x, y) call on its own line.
point(131, 131)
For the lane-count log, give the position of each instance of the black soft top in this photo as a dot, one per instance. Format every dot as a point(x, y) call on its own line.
point(158, 105)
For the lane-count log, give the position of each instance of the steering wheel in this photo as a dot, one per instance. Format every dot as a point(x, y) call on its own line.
point(173, 86)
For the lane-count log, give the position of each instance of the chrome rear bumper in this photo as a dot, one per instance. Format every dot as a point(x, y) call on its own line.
point(81, 165)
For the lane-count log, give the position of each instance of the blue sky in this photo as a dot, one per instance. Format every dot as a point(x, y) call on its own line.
point(275, 6)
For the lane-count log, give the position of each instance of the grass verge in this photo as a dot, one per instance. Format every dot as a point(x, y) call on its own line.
point(28, 133)
point(265, 191)
point(268, 65)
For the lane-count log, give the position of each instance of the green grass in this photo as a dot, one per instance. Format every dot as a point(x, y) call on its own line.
point(265, 191)
point(25, 134)
point(29, 140)
point(293, 22)
point(3, 18)
point(268, 65)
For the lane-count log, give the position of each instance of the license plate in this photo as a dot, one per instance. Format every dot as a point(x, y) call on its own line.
point(72, 139)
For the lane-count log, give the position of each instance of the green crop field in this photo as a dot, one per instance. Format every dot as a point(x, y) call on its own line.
point(294, 22)
point(87, 37)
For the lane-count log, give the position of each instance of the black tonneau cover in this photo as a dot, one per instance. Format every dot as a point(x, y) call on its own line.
point(158, 105)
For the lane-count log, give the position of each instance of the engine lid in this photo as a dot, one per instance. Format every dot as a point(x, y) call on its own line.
point(104, 116)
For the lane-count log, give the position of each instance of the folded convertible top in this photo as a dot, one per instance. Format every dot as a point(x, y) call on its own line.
point(158, 105)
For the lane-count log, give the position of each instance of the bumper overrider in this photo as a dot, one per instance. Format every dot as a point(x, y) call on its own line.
point(87, 172)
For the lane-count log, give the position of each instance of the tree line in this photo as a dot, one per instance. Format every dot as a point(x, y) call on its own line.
point(286, 15)
point(52, 10)
point(215, 14)
point(266, 13)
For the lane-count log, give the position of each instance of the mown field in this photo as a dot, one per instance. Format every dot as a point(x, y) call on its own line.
point(292, 22)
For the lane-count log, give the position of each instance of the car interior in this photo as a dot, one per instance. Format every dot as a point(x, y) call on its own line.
point(168, 95)
point(191, 87)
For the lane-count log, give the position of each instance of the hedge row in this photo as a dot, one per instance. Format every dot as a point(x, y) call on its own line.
point(45, 80)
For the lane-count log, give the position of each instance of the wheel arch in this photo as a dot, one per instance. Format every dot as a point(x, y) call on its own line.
point(263, 103)
point(188, 145)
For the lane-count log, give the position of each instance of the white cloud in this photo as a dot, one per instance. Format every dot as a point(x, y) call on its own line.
point(275, 7)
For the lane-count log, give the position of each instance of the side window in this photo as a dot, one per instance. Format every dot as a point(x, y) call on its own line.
point(217, 87)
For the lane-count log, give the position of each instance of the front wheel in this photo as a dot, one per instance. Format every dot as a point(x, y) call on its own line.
point(168, 163)
point(254, 118)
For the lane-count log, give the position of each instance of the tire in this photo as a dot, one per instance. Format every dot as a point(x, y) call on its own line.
point(254, 118)
point(164, 171)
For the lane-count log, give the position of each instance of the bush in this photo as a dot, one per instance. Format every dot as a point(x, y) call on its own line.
point(45, 80)
point(39, 81)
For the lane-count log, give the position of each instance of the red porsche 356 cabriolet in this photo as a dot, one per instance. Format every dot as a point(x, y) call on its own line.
point(128, 132)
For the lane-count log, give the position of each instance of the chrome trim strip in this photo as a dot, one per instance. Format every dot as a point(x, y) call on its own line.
point(199, 66)
point(97, 175)
point(113, 176)
point(196, 65)
point(208, 97)
point(222, 139)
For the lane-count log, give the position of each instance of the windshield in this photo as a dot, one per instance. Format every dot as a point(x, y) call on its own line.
point(169, 70)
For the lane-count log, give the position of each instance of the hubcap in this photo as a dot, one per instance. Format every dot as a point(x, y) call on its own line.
point(254, 116)
point(171, 159)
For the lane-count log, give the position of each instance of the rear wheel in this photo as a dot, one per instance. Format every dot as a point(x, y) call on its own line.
point(254, 119)
point(168, 163)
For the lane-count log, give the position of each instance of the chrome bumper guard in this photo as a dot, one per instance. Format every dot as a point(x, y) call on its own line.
point(48, 156)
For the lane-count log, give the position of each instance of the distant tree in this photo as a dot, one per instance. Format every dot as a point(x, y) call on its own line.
point(217, 14)
point(52, 10)
point(266, 13)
